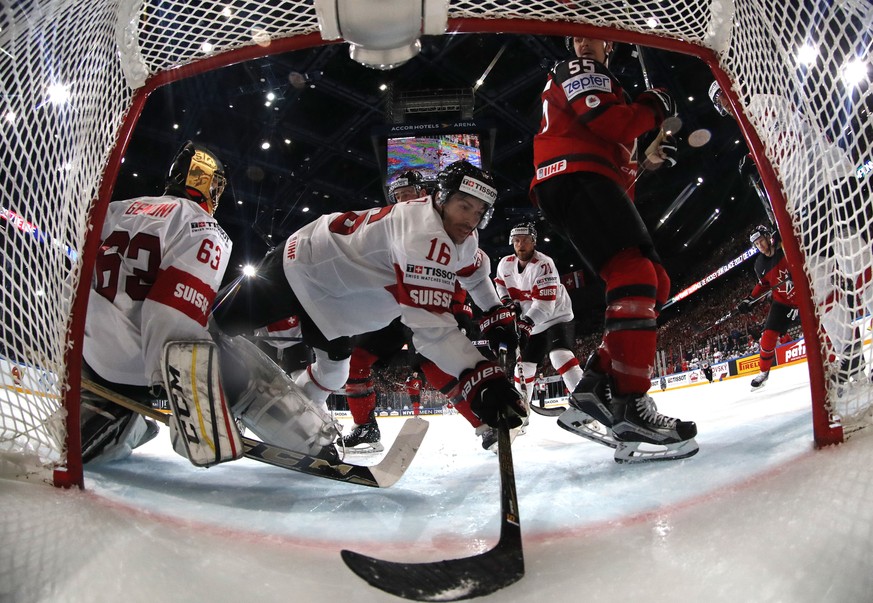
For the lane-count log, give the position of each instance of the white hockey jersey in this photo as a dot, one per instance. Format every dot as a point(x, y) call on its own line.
point(537, 288)
point(280, 330)
point(157, 272)
point(355, 272)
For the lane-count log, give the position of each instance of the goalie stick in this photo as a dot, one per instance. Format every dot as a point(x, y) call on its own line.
point(382, 475)
point(457, 579)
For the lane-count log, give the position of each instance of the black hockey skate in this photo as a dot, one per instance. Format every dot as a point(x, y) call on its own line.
point(363, 438)
point(590, 413)
point(759, 381)
point(643, 434)
point(489, 437)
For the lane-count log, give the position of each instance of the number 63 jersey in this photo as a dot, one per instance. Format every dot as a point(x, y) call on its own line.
point(158, 269)
point(355, 272)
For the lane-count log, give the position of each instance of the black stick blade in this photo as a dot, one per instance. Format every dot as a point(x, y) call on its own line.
point(450, 580)
point(555, 411)
point(457, 579)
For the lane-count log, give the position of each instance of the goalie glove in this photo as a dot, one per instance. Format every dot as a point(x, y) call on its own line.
point(745, 306)
point(660, 101)
point(498, 326)
point(490, 395)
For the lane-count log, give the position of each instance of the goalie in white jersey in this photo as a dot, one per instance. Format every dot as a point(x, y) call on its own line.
point(160, 264)
point(355, 272)
point(529, 280)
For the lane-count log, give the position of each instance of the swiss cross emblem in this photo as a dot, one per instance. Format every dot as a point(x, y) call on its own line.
point(418, 269)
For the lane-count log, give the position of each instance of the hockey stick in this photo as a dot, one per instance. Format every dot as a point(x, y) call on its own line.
point(457, 579)
point(382, 475)
point(548, 412)
point(751, 303)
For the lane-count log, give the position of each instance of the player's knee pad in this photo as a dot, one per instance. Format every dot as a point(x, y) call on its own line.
point(631, 291)
point(324, 376)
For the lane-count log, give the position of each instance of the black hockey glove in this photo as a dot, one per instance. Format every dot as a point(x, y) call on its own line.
point(498, 326)
point(490, 395)
point(525, 329)
point(659, 100)
point(745, 306)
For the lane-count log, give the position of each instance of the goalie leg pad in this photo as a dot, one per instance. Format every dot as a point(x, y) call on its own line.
point(270, 404)
point(202, 424)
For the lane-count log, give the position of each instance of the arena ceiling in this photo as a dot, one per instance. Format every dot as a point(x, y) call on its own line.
point(324, 107)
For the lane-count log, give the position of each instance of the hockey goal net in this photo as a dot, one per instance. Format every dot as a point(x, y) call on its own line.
point(76, 75)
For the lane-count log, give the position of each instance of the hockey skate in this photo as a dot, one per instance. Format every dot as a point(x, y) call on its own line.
point(852, 364)
point(759, 381)
point(489, 435)
point(643, 434)
point(590, 413)
point(364, 438)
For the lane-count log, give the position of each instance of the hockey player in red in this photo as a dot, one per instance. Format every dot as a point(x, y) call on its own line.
point(771, 268)
point(413, 389)
point(356, 272)
point(583, 184)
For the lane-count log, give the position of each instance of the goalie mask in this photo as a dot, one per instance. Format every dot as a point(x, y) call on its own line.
point(409, 178)
point(525, 228)
point(197, 174)
point(464, 177)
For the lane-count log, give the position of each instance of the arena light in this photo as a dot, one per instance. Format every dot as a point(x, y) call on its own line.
point(249, 271)
point(58, 94)
point(382, 34)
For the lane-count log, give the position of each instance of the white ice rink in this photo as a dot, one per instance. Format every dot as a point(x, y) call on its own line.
point(757, 515)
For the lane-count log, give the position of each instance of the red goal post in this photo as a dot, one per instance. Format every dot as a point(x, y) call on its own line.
point(76, 77)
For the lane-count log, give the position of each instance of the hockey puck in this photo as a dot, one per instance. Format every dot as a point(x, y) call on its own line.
point(698, 138)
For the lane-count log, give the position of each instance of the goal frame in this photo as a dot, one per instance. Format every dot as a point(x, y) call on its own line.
point(826, 431)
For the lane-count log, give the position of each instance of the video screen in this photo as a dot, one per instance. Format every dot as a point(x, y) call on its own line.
point(430, 154)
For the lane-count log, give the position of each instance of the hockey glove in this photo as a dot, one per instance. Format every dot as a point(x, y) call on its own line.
point(660, 101)
point(525, 329)
point(490, 395)
point(498, 326)
point(669, 151)
point(745, 306)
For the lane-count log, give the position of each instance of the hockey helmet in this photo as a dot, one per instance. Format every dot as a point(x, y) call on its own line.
point(197, 174)
point(464, 177)
point(411, 178)
point(759, 232)
point(715, 95)
point(525, 228)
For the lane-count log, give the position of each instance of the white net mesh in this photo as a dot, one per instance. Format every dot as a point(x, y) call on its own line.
point(70, 71)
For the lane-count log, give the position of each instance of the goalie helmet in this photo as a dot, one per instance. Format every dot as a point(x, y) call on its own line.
point(525, 228)
point(411, 178)
point(759, 232)
point(197, 174)
point(464, 177)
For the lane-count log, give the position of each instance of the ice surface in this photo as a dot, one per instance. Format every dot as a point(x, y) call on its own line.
point(757, 515)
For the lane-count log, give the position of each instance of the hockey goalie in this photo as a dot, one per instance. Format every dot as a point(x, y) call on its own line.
point(158, 269)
